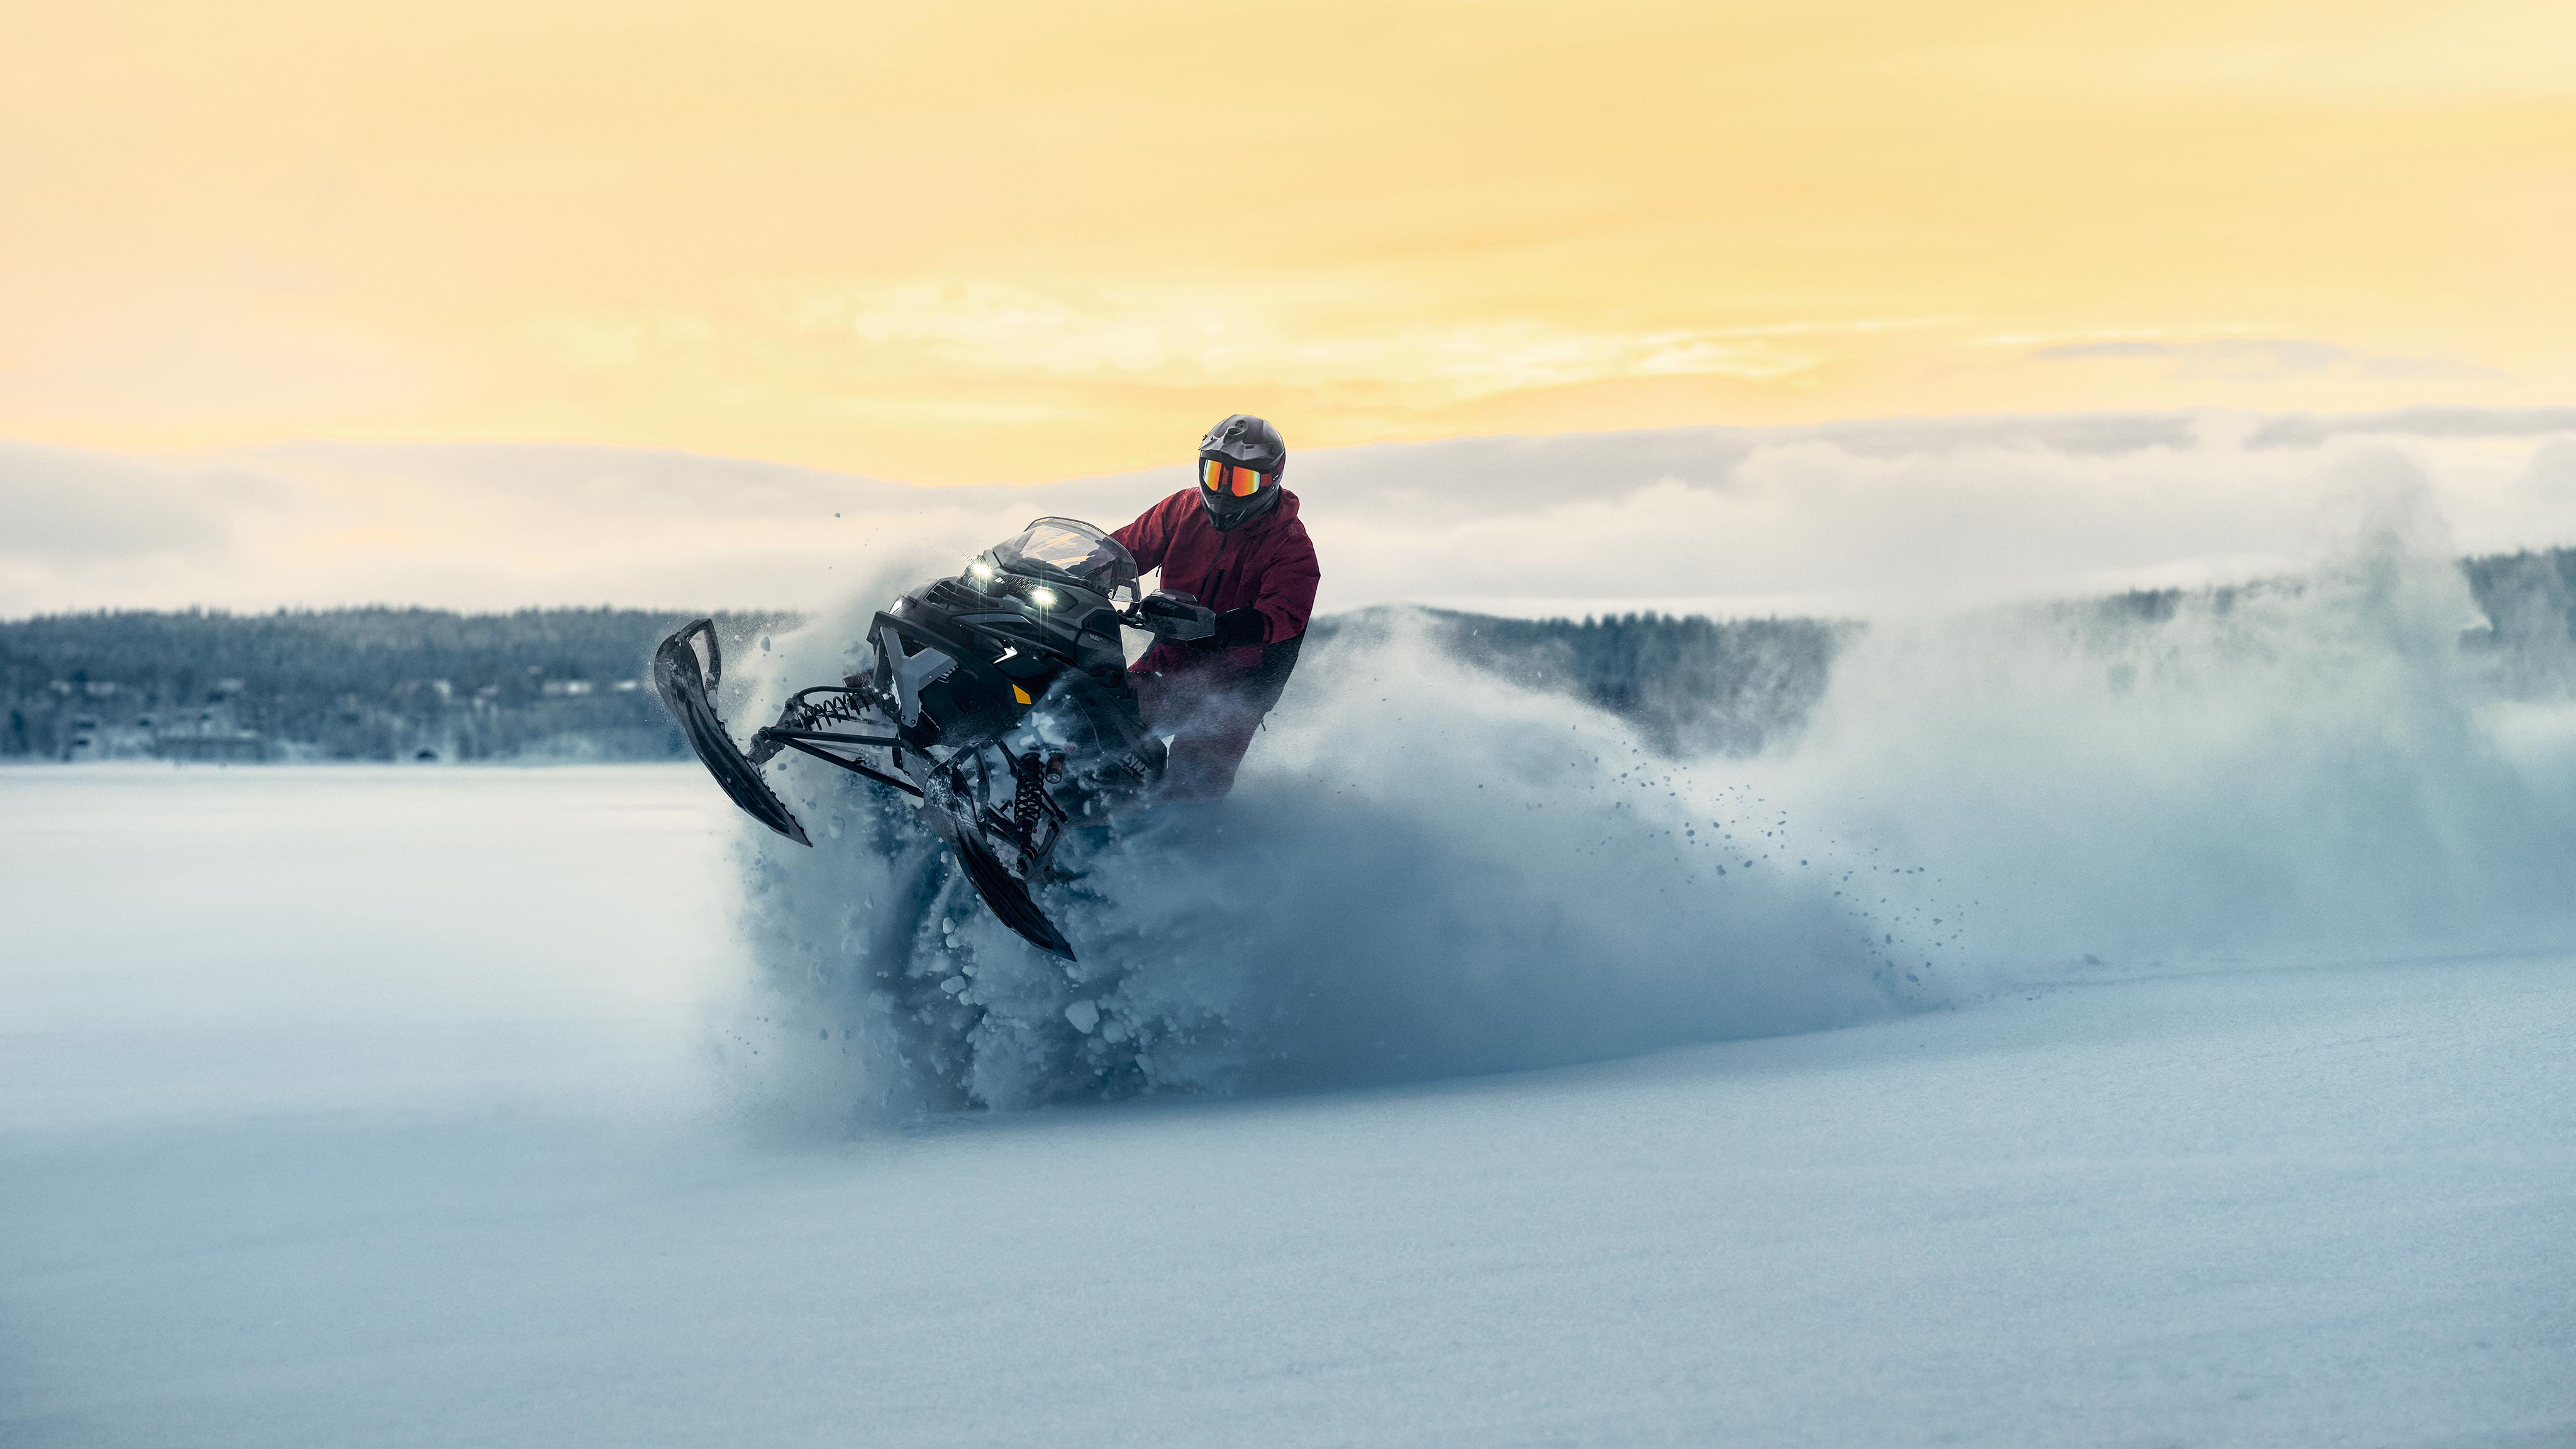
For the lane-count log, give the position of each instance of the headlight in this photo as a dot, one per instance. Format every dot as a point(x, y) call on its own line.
point(1042, 596)
point(981, 570)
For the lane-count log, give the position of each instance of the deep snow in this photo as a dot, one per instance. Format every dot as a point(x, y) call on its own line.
point(417, 1106)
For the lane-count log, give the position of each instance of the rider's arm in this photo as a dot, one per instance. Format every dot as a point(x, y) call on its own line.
point(1277, 622)
point(1287, 594)
point(1149, 537)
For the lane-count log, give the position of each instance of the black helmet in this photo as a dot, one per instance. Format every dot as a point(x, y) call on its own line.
point(1240, 462)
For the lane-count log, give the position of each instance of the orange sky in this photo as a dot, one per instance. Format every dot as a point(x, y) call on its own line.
point(1013, 242)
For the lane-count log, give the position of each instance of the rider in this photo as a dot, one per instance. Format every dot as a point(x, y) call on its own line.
point(1235, 544)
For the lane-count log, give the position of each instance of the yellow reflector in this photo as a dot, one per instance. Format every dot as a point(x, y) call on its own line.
point(1019, 694)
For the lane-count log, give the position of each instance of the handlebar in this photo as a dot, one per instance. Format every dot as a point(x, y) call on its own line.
point(1174, 616)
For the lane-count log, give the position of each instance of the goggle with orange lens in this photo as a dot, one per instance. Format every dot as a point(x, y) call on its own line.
point(1221, 477)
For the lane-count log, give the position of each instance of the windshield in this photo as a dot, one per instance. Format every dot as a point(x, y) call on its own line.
point(1068, 547)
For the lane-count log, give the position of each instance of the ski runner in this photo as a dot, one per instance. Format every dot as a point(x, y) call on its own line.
point(1235, 544)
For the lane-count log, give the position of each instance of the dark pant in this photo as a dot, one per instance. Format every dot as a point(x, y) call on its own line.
point(1211, 724)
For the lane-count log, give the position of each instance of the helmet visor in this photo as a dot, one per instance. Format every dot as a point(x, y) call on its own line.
point(1230, 479)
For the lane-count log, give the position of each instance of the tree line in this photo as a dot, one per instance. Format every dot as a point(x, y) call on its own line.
point(369, 683)
point(387, 683)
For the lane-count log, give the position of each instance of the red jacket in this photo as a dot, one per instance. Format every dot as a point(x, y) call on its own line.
point(1267, 564)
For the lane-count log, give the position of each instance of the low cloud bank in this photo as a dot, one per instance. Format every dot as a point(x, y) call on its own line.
point(1867, 518)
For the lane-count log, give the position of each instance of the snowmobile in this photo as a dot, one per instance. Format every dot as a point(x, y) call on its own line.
point(996, 699)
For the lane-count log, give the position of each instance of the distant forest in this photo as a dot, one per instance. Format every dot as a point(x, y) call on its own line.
point(411, 684)
point(2526, 600)
point(340, 684)
point(2529, 600)
point(570, 684)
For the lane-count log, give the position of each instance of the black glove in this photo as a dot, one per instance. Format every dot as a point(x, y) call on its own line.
point(1176, 618)
point(1240, 626)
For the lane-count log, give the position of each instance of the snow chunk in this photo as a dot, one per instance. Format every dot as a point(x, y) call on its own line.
point(1083, 1015)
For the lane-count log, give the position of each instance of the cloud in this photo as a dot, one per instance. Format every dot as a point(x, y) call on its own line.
point(2260, 359)
point(613, 340)
point(1308, 336)
point(2307, 430)
point(58, 505)
point(2477, 50)
point(1890, 517)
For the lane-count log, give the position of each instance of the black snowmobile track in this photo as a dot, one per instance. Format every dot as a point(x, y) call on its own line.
point(688, 693)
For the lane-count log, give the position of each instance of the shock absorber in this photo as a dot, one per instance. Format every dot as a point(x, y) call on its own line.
point(1029, 775)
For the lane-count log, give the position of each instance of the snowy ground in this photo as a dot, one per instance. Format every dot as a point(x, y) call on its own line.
point(379, 1107)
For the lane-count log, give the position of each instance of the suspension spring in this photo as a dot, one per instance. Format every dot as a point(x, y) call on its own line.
point(838, 708)
point(1028, 800)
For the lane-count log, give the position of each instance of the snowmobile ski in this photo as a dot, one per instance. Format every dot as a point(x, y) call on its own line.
point(688, 691)
point(1008, 899)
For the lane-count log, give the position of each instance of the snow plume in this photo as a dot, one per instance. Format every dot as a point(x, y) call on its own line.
point(1429, 870)
point(2347, 760)
point(1424, 871)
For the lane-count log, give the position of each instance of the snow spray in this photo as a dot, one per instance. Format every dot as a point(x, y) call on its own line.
point(1428, 869)
point(1424, 870)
